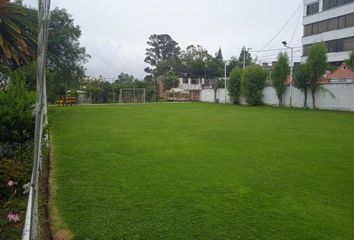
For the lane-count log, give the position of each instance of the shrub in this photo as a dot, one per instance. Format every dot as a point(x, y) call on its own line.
point(12, 170)
point(16, 122)
point(234, 85)
point(253, 83)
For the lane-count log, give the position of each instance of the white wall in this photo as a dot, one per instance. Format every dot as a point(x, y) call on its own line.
point(328, 96)
point(207, 95)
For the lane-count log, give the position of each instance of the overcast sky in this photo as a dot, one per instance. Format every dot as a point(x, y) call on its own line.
point(115, 32)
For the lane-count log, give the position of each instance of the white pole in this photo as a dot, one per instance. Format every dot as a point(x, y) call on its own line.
point(291, 71)
point(114, 101)
point(120, 96)
point(291, 77)
point(225, 82)
point(30, 230)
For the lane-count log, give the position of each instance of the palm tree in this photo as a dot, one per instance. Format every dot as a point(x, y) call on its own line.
point(18, 33)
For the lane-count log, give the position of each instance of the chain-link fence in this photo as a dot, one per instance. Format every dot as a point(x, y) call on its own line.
point(31, 227)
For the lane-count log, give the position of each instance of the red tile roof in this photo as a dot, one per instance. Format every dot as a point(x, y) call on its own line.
point(343, 72)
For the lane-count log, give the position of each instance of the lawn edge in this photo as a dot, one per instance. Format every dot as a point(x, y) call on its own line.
point(58, 227)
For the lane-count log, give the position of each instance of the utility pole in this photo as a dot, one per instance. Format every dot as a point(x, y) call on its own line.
point(244, 57)
point(291, 71)
point(114, 101)
point(225, 80)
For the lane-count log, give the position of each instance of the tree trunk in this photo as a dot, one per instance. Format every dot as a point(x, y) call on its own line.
point(215, 91)
point(280, 98)
point(305, 98)
point(313, 99)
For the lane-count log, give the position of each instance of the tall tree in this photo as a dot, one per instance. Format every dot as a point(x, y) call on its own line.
point(195, 61)
point(232, 63)
point(198, 62)
point(219, 56)
point(161, 48)
point(317, 65)
point(65, 55)
point(18, 33)
point(280, 74)
point(124, 78)
point(350, 61)
point(170, 65)
point(234, 84)
point(245, 55)
point(170, 80)
point(302, 79)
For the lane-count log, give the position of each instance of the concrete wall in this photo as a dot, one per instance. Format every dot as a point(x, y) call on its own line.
point(207, 95)
point(328, 96)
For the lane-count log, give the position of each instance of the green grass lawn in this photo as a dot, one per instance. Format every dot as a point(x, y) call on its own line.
point(204, 171)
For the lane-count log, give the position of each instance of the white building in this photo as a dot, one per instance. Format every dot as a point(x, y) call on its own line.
point(330, 21)
point(193, 85)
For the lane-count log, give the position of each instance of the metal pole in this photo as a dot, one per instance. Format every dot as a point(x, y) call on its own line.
point(291, 76)
point(225, 82)
point(134, 92)
point(30, 230)
point(113, 93)
point(120, 96)
point(144, 96)
point(291, 71)
point(244, 58)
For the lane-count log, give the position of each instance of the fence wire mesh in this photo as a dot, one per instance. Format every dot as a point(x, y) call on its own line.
point(31, 227)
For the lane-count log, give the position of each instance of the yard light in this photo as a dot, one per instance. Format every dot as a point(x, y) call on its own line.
point(291, 71)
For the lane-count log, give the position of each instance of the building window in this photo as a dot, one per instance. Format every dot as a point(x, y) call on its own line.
point(328, 4)
point(185, 80)
point(332, 24)
point(341, 22)
point(305, 49)
point(339, 45)
point(195, 81)
point(331, 46)
point(348, 44)
point(308, 30)
point(322, 27)
point(315, 28)
point(312, 8)
point(349, 20)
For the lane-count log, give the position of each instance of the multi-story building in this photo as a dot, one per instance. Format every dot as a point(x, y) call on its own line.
point(193, 85)
point(332, 22)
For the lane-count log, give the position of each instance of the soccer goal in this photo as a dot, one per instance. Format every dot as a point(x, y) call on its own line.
point(132, 95)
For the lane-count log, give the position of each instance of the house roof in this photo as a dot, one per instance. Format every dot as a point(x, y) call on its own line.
point(343, 72)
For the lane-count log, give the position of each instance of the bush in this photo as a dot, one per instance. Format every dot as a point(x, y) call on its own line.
point(234, 85)
point(16, 122)
point(13, 175)
point(253, 83)
point(12, 170)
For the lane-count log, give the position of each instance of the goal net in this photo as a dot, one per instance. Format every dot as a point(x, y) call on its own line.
point(132, 95)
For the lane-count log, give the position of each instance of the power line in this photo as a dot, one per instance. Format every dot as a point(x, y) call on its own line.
point(271, 50)
point(282, 28)
point(276, 54)
point(297, 24)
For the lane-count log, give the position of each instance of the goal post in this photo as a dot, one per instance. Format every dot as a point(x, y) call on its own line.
point(132, 95)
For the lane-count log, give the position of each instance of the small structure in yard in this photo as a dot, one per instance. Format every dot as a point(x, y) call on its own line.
point(66, 101)
point(178, 95)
